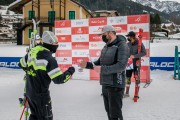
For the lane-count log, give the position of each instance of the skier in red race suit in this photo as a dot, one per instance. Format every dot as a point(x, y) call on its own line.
point(134, 56)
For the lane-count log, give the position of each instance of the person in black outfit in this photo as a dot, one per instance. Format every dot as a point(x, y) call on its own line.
point(134, 56)
point(41, 68)
point(111, 66)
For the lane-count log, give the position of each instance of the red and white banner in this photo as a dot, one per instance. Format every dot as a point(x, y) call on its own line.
point(79, 39)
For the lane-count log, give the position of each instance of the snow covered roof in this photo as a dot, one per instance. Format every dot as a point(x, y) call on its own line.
point(17, 5)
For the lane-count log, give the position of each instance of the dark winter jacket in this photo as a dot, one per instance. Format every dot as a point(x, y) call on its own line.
point(113, 61)
point(134, 49)
point(41, 68)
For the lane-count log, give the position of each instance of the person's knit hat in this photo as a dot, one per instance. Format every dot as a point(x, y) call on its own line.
point(108, 28)
point(49, 37)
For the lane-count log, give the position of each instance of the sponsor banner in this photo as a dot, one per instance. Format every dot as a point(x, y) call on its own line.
point(136, 27)
point(87, 43)
point(79, 23)
point(80, 30)
point(95, 38)
point(162, 63)
point(64, 46)
point(95, 29)
point(63, 53)
point(80, 45)
point(9, 62)
point(80, 38)
point(62, 31)
point(80, 53)
point(64, 60)
point(98, 21)
point(96, 45)
point(135, 19)
point(62, 24)
point(64, 38)
point(117, 20)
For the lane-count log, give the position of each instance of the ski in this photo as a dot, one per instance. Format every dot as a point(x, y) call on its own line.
point(138, 63)
point(33, 42)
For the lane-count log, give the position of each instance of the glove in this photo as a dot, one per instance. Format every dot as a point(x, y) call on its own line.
point(71, 70)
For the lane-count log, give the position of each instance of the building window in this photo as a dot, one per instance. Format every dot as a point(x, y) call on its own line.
point(29, 33)
point(97, 14)
point(71, 15)
point(31, 15)
point(51, 16)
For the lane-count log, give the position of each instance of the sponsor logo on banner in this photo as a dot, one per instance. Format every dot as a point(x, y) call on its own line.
point(63, 31)
point(96, 45)
point(138, 19)
point(62, 23)
point(162, 64)
point(80, 30)
point(64, 60)
point(80, 38)
point(95, 38)
point(65, 46)
point(80, 45)
point(63, 53)
point(9, 64)
point(117, 20)
point(80, 53)
point(95, 29)
point(64, 38)
point(79, 23)
point(97, 21)
point(136, 27)
point(120, 28)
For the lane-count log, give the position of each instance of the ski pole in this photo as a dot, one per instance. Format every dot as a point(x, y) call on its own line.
point(24, 108)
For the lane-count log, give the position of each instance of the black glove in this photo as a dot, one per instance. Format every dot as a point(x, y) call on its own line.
point(71, 70)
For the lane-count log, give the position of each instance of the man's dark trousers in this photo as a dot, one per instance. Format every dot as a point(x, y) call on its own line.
point(113, 102)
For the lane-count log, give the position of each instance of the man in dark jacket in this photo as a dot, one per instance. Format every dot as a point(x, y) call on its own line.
point(41, 68)
point(134, 56)
point(111, 66)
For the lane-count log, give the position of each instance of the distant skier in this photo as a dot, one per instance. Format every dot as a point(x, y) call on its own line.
point(134, 56)
point(41, 69)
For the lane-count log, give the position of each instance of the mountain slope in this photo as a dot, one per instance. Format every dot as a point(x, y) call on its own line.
point(164, 6)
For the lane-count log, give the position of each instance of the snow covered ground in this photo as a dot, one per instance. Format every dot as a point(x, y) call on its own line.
point(81, 100)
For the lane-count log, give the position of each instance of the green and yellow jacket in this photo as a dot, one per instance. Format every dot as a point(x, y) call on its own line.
point(41, 68)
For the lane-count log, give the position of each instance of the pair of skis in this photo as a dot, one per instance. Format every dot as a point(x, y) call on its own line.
point(137, 71)
point(138, 64)
point(32, 44)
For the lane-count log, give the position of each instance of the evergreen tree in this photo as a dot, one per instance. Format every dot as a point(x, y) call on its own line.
point(157, 19)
